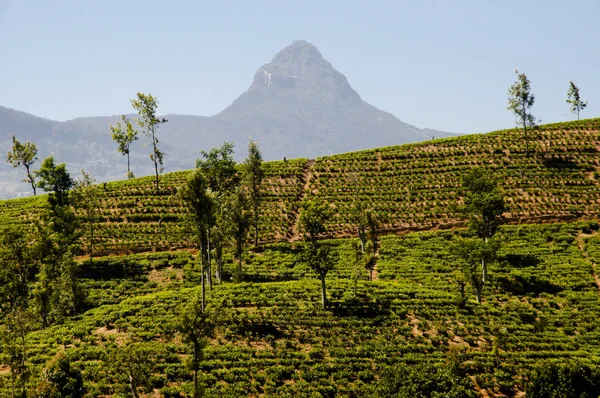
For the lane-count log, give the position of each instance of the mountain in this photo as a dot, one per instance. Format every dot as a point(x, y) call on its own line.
point(298, 105)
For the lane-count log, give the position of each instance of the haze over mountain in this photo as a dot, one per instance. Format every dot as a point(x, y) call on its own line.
point(298, 105)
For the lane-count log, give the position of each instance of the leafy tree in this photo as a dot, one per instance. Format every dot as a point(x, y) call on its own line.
point(86, 197)
point(473, 253)
point(253, 176)
point(55, 179)
point(219, 169)
point(520, 101)
point(68, 294)
point(320, 258)
point(576, 105)
point(567, 379)
point(124, 135)
point(60, 379)
point(201, 206)
point(422, 381)
point(13, 336)
point(145, 105)
point(484, 203)
point(237, 221)
point(134, 363)
point(23, 155)
point(196, 326)
point(17, 269)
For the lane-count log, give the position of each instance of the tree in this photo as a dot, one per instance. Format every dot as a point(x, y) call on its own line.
point(200, 204)
point(136, 362)
point(253, 176)
point(124, 135)
point(566, 379)
point(576, 105)
point(23, 155)
point(86, 197)
point(422, 381)
point(196, 326)
point(219, 169)
point(17, 269)
point(237, 222)
point(520, 101)
point(484, 203)
point(13, 336)
point(320, 258)
point(146, 105)
point(60, 379)
point(55, 179)
point(473, 254)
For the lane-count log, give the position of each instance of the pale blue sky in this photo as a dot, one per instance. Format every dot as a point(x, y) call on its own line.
point(438, 64)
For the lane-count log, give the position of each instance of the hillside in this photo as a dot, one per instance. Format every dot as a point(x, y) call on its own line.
point(410, 187)
point(540, 306)
point(298, 105)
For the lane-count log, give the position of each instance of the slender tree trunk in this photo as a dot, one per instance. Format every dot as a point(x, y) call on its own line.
point(255, 225)
point(23, 360)
point(525, 130)
point(155, 157)
point(91, 246)
point(323, 291)
point(478, 295)
point(208, 263)
point(202, 249)
point(195, 382)
point(31, 180)
point(132, 387)
point(128, 168)
point(362, 237)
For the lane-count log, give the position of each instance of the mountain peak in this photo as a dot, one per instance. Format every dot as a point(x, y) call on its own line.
point(299, 70)
point(299, 50)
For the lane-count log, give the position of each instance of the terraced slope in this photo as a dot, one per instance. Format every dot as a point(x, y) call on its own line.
point(410, 187)
point(414, 186)
point(274, 340)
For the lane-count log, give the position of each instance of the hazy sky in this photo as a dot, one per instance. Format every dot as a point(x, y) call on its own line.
point(438, 64)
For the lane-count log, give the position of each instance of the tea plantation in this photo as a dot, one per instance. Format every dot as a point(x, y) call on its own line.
point(407, 332)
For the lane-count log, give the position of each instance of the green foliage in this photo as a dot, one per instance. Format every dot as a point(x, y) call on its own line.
point(423, 381)
point(474, 254)
point(55, 179)
point(319, 258)
point(196, 326)
point(576, 105)
point(134, 364)
point(253, 177)
point(483, 202)
point(146, 105)
point(124, 135)
point(565, 380)
point(219, 167)
point(60, 379)
point(520, 101)
point(86, 198)
point(23, 155)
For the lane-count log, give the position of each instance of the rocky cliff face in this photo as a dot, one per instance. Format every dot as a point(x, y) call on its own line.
point(298, 105)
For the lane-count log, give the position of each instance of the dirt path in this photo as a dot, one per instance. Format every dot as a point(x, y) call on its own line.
point(375, 272)
point(580, 239)
point(308, 172)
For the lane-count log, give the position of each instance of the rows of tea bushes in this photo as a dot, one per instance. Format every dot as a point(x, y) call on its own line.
point(415, 186)
point(134, 218)
point(541, 304)
point(409, 187)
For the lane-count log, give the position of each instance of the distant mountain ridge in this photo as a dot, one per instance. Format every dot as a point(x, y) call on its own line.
point(298, 105)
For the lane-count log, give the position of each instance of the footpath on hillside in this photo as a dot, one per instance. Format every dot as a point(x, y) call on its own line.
point(295, 228)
